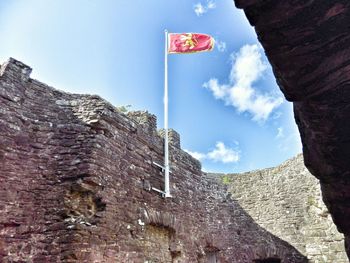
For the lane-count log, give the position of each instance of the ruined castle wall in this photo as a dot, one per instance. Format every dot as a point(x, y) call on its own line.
point(286, 200)
point(76, 185)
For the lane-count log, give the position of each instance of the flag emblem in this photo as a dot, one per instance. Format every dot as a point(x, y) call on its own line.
point(189, 43)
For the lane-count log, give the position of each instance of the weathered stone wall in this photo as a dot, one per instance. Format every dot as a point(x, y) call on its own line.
point(286, 201)
point(75, 186)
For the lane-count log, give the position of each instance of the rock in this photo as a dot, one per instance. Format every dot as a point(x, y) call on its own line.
point(308, 46)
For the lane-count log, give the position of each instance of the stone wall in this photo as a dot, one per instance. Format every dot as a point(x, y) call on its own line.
point(76, 184)
point(286, 201)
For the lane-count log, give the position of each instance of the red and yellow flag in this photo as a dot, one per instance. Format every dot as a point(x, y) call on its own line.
point(189, 43)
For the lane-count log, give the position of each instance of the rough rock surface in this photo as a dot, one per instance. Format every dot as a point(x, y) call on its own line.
point(290, 206)
point(75, 186)
point(308, 45)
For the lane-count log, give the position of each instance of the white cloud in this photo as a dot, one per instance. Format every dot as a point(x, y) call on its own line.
point(277, 115)
point(211, 5)
point(247, 68)
point(280, 133)
point(220, 153)
point(201, 9)
point(223, 154)
point(219, 91)
point(220, 45)
point(197, 155)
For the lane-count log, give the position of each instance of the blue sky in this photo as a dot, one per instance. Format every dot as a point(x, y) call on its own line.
point(225, 103)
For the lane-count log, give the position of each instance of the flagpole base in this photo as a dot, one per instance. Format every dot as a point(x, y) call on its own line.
point(163, 194)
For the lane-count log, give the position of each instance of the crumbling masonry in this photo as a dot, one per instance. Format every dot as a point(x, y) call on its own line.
point(75, 187)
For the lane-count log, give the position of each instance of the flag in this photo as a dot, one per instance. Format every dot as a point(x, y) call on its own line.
point(189, 43)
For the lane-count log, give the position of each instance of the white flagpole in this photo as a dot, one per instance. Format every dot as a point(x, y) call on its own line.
point(166, 139)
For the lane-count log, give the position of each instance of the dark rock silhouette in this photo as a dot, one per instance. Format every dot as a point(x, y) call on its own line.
point(308, 46)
